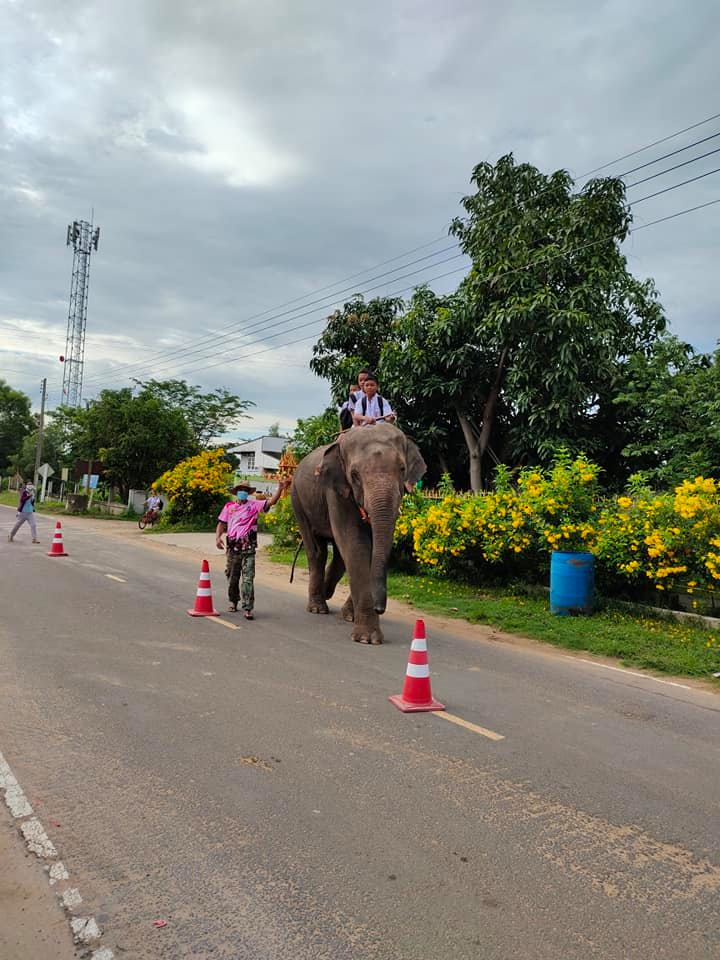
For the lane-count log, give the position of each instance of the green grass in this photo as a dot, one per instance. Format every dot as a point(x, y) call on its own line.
point(638, 639)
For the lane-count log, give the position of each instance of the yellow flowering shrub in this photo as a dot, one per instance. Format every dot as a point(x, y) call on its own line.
point(545, 510)
point(643, 541)
point(197, 487)
point(668, 541)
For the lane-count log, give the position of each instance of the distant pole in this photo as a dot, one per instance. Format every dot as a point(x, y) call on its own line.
point(41, 430)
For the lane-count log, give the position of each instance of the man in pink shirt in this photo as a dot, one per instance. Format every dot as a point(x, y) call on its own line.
point(239, 519)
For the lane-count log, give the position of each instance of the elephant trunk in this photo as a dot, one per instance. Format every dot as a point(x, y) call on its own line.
point(383, 513)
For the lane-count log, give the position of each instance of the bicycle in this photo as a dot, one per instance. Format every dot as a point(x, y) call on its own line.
point(149, 519)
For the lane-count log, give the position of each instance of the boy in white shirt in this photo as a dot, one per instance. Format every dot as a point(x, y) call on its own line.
point(372, 408)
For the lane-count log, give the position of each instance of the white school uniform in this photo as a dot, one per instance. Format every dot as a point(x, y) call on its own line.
point(372, 408)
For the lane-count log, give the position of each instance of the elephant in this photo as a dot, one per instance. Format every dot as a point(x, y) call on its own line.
point(348, 494)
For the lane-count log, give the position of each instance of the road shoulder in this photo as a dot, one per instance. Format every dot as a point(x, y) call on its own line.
point(32, 922)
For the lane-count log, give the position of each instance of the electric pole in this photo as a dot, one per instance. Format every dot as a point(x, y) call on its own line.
point(41, 429)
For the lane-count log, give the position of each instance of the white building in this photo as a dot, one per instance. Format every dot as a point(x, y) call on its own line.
point(259, 456)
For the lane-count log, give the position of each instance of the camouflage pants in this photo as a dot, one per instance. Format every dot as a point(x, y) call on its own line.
point(240, 572)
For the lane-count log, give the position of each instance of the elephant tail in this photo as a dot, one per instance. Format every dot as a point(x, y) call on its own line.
point(297, 554)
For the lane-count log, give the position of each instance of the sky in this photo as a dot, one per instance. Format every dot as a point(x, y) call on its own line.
point(240, 156)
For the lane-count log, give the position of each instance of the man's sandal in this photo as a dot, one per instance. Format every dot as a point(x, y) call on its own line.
point(232, 608)
point(249, 615)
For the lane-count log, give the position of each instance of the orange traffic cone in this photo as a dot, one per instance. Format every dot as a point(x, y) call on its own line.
point(58, 547)
point(203, 598)
point(417, 695)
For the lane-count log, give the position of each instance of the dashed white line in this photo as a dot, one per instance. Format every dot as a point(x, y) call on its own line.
point(58, 873)
point(15, 799)
point(85, 930)
point(111, 576)
point(71, 898)
point(38, 842)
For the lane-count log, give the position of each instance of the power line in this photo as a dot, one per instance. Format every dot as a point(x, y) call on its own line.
point(676, 185)
point(677, 166)
point(331, 298)
point(203, 354)
point(183, 351)
point(673, 153)
point(649, 146)
point(166, 356)
point(201, 351)
point(672, 216)
point(559, 255)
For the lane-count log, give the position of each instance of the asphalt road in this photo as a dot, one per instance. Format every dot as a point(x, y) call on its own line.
point(254, 787)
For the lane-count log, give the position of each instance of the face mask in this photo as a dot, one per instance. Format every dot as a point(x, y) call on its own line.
point(242, 496)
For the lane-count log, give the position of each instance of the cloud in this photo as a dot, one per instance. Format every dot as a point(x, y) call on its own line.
point(239, 156)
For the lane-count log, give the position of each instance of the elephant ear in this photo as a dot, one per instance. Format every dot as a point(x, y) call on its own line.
point(415, 465)
point(330, 471)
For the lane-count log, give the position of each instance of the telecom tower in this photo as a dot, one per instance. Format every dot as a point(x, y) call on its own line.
point(84, 239)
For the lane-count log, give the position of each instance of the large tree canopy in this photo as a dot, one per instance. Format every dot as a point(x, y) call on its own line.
point(352, 339)
point(529, 351)
point(136, 438)
point(15, 422)
point(207, 414)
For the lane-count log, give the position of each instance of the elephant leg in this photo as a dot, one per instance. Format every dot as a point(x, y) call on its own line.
point(317, 559)
point(316, 551)
point(347, 612)
point(334, 573)
point(366, 622)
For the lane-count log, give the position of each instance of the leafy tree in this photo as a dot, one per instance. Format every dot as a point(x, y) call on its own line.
point(15, 422)
point(353, 339)
point(136, 438)
point(207, 414)
point(53, 450)
point(315, 431)
point(529, 351)
point(274, 430)
point(671, 402)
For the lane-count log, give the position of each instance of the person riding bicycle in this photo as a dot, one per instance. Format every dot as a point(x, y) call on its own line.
point(153, 506)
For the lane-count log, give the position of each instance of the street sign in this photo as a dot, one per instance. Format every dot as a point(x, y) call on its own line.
point(46, 471)
point(64, 474)
point(94, 477)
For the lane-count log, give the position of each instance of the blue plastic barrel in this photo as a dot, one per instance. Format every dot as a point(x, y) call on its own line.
point(572, 583)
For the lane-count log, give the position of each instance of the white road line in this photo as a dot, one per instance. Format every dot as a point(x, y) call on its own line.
point(71, 898)
point(483, 731)
point(58, 873)
point(111, 576)
point(85, 929)
point(38, 842)
point(630, 673)
point(15, 799)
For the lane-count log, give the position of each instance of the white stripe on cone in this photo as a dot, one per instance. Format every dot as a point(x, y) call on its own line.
point(417, 670)
point(204, 592)
point(419, 643)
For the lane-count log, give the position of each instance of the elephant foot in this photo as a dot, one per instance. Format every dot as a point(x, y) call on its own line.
point(348, 611)
point(370, 636)
point(317, 606)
